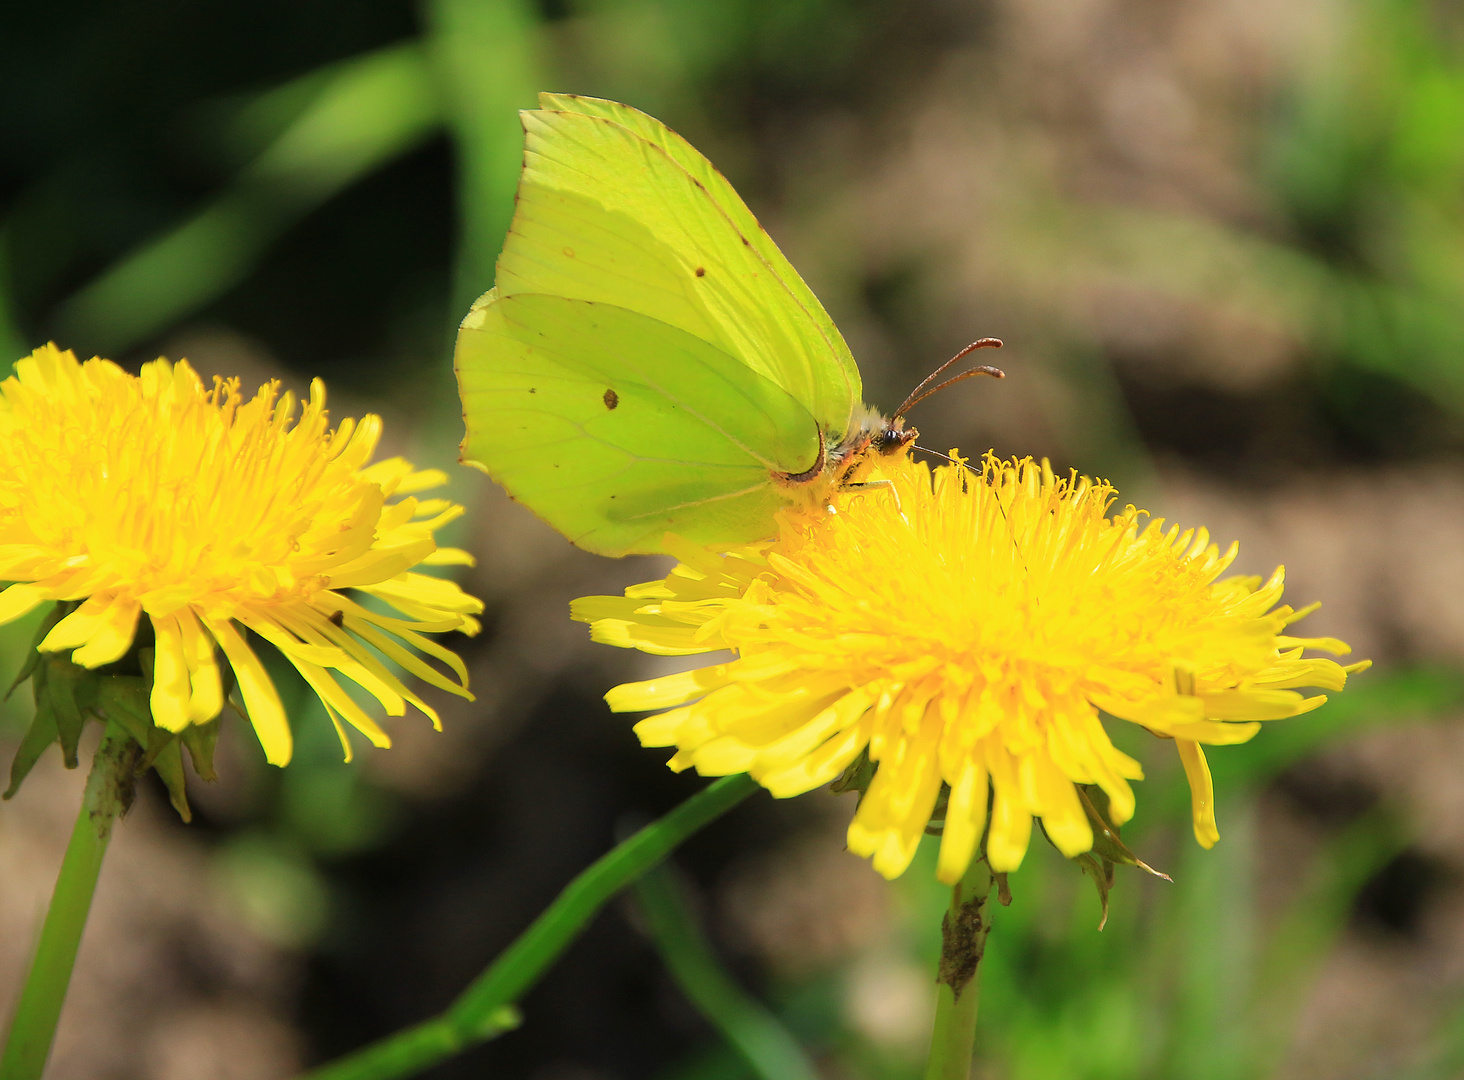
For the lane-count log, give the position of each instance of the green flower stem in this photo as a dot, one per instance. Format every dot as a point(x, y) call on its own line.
point(485, 1008)
point(108, 794)
point(963, 940)
point(743, 1021)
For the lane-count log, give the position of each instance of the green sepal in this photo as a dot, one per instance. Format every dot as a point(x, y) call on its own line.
point(67, 695)
point(33, 654)
point(158, 741)
point(1108, 849)
point(124, 698)
point(1106, 842)
point(70, 692)
point(41, 734)
point(1101, 871)
point(936, 825)
point(1003, 887)
point(200, 739)
point(167, 760)
point(857, 777)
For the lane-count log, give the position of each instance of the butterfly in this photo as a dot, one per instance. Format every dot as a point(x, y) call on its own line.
point(648, 361)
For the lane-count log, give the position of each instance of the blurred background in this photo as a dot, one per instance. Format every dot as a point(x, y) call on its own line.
point(1224, 242)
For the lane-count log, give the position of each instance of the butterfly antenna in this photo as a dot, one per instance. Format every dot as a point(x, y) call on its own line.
point(920, 393)
point(944, 457)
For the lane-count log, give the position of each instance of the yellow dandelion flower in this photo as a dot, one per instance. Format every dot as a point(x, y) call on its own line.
point(206, 512)
point(967, 636)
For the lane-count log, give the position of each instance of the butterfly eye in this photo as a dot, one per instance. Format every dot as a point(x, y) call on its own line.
point(895, 437)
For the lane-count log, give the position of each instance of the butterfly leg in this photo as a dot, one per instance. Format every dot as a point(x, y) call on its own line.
point(865, 485)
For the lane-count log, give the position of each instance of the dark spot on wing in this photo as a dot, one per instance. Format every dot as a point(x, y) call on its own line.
point(701, 271)
point(532, 390)
point(611, 399)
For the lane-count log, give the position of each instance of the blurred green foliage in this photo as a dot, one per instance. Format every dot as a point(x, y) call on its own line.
point(1368, 160)
point(108, 250)
point(746, 1024)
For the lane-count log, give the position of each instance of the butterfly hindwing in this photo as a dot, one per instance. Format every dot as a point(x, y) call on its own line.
point(617, 428)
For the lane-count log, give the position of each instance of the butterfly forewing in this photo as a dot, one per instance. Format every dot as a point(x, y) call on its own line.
point(718, 259)
point(839, 384)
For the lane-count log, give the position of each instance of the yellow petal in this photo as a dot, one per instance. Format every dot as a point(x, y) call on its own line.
point(335, 697)
point(261, 698)
point(823, 766)
point(723, 756)
point(802, 741)
point(206, 690)
point(1202, 791)
point(965, 818)
point(1254, 704)
point(113, 635)
point(1011, 828)
point(668, 690)
point(76, 629)
point(18, 600)
point(170, 692)
point(1062, 813)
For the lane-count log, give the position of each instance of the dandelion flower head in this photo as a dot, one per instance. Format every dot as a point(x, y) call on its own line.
point(965, 636)
point(209, 512)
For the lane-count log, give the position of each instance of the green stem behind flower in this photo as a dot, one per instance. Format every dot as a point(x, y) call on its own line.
point(963, 941)
point(485, 1008)
point(108, 794)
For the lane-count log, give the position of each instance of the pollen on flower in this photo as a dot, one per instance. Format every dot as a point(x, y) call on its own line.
point(208, 512)
point(968, 636)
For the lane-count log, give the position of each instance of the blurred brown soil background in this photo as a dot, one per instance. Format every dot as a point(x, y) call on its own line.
point(1092, 180)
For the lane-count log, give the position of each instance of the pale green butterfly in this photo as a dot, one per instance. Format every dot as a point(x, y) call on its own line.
point(648, 361)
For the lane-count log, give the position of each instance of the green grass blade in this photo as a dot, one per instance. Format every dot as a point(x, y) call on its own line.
point(371, 110)
point(743, 1021)
point(484, 1010)
point(484, 55)
point(1212, 938)
point(1310, 927)
point(12, 344)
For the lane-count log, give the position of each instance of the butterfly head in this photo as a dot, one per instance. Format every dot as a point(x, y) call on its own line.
point(893, 437)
